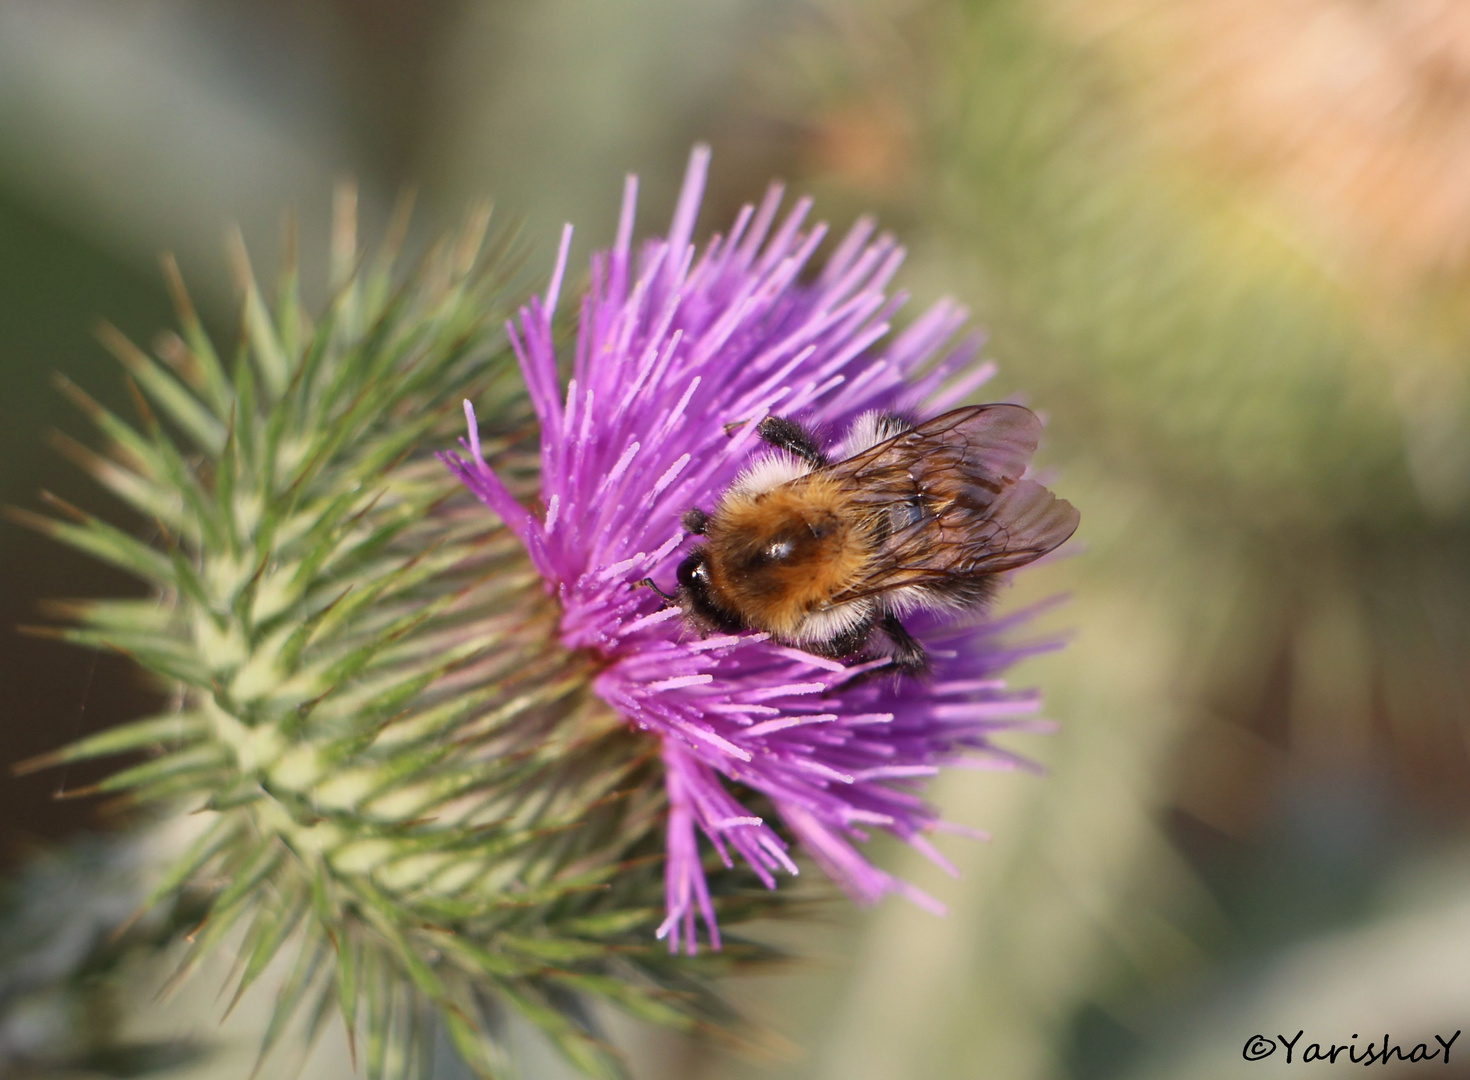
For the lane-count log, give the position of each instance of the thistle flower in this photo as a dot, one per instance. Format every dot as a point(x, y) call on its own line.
point(455, 764)
point(679, 355)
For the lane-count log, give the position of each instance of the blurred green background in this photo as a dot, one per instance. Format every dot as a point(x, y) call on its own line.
point(1223, 244)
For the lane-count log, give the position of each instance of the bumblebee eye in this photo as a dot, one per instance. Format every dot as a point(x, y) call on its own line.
point(691, 571)
point(779, 550)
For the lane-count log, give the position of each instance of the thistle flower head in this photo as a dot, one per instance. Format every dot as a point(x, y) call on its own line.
point(679, 354)
point(447, 794)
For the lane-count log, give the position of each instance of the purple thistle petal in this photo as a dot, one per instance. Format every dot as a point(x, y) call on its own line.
point(674, 345)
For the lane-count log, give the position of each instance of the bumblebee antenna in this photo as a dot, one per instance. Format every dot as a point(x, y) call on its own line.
point(648, 583)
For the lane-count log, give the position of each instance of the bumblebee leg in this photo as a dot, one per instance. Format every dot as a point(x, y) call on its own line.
point(852, 641)
point(909, 656)
point(790, 436)
point(695, 521)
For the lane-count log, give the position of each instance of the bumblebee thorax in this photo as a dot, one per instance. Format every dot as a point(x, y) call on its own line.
point(777, 555)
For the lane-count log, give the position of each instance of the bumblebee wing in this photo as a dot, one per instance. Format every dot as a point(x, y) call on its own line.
point(948, 499)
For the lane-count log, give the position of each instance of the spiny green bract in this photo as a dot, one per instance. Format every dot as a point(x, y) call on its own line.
point(406, 783)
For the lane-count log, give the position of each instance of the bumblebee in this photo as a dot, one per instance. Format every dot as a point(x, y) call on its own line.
point(824, 552)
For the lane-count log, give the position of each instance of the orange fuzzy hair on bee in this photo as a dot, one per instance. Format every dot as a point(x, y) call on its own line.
point(777, 555)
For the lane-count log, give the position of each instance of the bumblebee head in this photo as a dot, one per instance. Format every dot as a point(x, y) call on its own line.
point(698, 597)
